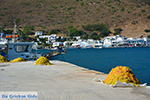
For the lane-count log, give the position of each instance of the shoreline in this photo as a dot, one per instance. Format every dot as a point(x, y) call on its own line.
point(63, 81)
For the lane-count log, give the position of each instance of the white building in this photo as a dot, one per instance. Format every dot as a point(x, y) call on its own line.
point(56, 44)
point(38, 33)
point(77, 37)
point(136, 41)
point(146, 41)
point(76, 44)
point(51, 38)
point(109, 41)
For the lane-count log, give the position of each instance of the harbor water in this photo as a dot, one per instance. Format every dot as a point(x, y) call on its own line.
point(103, 60)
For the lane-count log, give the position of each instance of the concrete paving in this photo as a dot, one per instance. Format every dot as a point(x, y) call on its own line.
point(63, 81)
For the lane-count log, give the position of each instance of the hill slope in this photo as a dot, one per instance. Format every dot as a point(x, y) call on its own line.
point(130, 15)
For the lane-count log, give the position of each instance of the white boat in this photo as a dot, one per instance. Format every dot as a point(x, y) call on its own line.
point(17, 49)
point(23, 50)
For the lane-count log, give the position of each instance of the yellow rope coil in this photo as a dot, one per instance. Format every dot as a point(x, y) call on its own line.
point(122, 74)
point(18, 60)
point(2, 59)
point(42, 61)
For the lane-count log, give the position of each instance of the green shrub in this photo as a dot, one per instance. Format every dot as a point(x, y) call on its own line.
point(5, 8)
point(18, 20)
point(147, 30)
point(117, 31)
point(82, 4)
point(8, 31)
point(94, 27)
point(148, 17)
point(38, 13)
point(118, 16)
point(142, 11)
point(54, 31)
point(2, 14)
point(28, 32)
point(122, 9)
point(110, 1)
point(139, 14)
point(114, 11)
point(104, 32)
point(138, 6)
point(134, 14)
point(16, 13)
point(28, 11)
point(29, 27)
point(74, 32)
point(95, 36)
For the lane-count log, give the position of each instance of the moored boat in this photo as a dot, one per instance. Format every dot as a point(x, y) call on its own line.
point(24, 50)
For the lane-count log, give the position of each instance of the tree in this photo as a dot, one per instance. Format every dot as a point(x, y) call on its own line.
point(104, 32)
point(117, 31)
point(147, 30)
point(95, 36)
point(8, 31)
point(94, 27)
point(71, 31)
point(28, 30)
point(54, 31)
point(85, 36)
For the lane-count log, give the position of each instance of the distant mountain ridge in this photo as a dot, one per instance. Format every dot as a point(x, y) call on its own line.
point(131, 15)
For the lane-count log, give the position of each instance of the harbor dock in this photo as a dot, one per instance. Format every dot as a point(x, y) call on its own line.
point(63, 81)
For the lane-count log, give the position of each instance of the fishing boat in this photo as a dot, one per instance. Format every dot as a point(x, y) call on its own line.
point(24, 50)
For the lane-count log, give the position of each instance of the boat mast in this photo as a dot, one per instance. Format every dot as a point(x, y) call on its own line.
point(69, 37)
point(15, 30)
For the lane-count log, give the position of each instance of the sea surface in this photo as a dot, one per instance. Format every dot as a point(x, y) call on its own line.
point(103, 60)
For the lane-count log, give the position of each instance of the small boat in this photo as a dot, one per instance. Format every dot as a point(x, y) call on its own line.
point(24, 50)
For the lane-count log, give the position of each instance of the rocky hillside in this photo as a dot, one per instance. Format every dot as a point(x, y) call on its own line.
point(133, 16)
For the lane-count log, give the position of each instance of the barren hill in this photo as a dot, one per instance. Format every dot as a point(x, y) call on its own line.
point(133, 16)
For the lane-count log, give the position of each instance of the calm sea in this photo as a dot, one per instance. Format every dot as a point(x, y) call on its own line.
point(138, 59)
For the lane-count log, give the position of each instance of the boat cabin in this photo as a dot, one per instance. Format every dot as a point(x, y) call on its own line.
point(17, 49)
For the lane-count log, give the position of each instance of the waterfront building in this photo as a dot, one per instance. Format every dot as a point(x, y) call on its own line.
point(109, 41)
point(50, 38)
point(76, 44)
point(77, 37)
point(56, 44)
point(38, 33)
point(122, 42)
point(146, 41)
